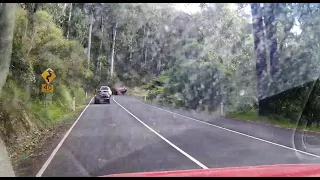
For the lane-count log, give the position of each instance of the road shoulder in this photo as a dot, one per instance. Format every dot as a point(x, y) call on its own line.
point(30, 166)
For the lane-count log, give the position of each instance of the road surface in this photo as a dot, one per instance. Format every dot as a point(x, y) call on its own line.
point(129, 135)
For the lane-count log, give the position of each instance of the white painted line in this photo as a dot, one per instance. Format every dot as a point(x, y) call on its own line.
point(46, 164)
point(166, 140)
point(266, 141)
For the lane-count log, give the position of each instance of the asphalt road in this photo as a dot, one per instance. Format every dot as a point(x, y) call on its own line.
point(131, 136)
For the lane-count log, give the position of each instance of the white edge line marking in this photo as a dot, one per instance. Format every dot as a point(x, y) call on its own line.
point(266, 141)
point(46, 164)
point(166, 140)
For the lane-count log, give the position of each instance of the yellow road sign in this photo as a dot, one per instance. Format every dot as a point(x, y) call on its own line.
point(47, 88)
point(48, 75)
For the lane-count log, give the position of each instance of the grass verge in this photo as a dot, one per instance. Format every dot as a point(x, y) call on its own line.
point(272, 120)
point(253, 116)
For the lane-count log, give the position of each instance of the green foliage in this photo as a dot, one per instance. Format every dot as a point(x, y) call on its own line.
point(210, 71)
point(156, 86)
point(35, 49)
point(79, 95)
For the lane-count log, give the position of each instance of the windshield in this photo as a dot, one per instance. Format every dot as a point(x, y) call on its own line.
point(190, 86)
point(104, 88)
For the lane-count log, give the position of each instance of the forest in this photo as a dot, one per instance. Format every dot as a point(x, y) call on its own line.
point(261, 63)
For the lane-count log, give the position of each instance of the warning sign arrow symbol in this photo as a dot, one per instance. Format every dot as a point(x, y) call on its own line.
point(48, 75)
point(49, 71)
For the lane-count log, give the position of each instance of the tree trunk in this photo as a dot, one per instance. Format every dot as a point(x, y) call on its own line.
point(26, 30)
point(260, 52)
point(144, 31)
point(130, 56)
point(271, 36)
point(287, 27)
point(100, 48)
point(64, 8)
point(145, 56)
point(159, 65)
point(146, 49)
point(114, 35)
point(36, 7)
point(31, 10)
point(7, 20)
point(159, 61)
point(69, 21)
point(89, 39)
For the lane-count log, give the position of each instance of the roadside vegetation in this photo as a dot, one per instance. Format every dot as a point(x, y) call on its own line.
point(28, 116)
point(263, 71)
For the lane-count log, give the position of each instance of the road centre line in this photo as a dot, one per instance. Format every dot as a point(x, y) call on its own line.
point(163, 138)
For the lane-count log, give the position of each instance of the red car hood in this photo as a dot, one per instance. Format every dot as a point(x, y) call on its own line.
point(289, 170)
